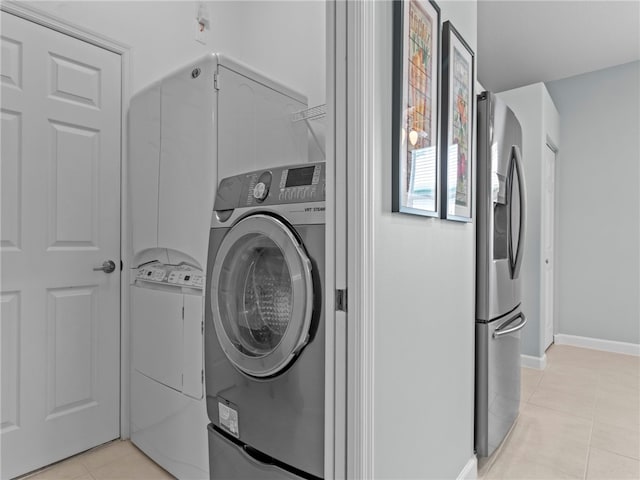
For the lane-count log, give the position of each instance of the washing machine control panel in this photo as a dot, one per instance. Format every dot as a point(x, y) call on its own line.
point(275, 186)
point(304, 183)
point(179, 275)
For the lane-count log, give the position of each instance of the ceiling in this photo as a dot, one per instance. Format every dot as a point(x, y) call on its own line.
point(525, 42)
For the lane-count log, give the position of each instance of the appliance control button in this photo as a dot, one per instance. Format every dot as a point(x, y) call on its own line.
point(260, 191)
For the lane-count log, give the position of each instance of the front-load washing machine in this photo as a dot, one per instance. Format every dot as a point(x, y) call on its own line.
point(264, 325)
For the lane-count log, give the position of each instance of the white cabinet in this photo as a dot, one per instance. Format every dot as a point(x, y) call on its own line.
point(256, 128)
point(187, 180)
point(144, 166)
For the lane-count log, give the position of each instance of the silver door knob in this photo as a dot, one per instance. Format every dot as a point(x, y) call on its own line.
point(108, 266)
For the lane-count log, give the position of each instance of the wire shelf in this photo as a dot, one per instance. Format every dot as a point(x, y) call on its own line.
point(313, 113)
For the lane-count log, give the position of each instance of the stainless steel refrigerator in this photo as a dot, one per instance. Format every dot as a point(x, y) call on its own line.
point(500, 217)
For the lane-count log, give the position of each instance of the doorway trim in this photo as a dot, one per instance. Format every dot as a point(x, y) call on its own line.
point(360, 141)
point(351, 80)
point(35, 15)
point(551, 145)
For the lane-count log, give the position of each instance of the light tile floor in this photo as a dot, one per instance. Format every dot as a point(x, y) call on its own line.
point(579, 418)
point(117, 460)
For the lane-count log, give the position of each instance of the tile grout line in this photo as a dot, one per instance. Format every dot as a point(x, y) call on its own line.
point(608, 424)
point(113, 461)
point(591, 427)
point(617, 454)
point(586, 463)
point(562, 412)
point(102, 448)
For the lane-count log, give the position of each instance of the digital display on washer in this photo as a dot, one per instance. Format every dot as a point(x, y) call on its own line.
point(297, 177)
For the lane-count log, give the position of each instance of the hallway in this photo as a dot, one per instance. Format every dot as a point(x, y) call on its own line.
point(579, 418)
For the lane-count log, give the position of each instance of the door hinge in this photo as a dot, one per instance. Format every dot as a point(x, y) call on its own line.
point(183, 313)
point(341, 300)
point(202, 328)
point(216, 81)
point(202, 376)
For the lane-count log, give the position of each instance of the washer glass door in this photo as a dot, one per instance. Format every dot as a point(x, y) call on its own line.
point(262, 295)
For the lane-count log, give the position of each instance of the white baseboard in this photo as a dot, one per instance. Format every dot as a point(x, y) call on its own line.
point(598, 344)
point(539, 363)
point(470, 470)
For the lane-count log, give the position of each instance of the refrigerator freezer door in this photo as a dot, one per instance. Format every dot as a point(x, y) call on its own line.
point(499, 211)
point(497, 380)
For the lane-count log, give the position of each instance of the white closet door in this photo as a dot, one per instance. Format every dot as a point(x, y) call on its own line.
point(60, 323)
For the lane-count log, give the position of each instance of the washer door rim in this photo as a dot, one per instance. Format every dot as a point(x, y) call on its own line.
point(297, 333)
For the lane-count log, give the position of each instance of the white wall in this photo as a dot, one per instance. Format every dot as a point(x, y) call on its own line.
point(598, 204)
point(423, 310)
point(539, 120)
point(284, 40)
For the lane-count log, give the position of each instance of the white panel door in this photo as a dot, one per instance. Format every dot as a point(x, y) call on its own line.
point(60, 218)
point(548, 218)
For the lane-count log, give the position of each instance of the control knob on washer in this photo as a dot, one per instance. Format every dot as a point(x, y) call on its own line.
point(260, 191)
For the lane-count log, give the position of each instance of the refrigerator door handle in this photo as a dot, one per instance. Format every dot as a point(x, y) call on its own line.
point(510, 169)
point(515, 261)
point(523, 211)
point(498, 332)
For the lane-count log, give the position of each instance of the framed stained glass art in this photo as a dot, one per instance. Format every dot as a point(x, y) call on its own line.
point(416, 73)
point(457, 124)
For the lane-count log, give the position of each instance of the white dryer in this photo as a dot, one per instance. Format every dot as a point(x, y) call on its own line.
point(264, 325)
